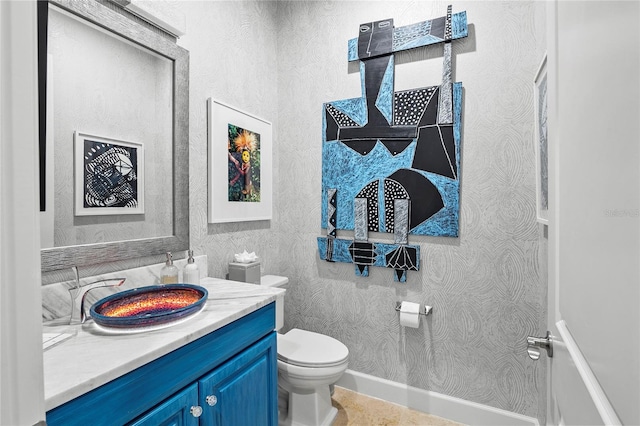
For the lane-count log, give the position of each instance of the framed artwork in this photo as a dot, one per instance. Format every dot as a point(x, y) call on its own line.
point(109, 176)
point(391, 159)
point(541, 143)
point(240, 168)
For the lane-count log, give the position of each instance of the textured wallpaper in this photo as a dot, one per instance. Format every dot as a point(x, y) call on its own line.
point(487, 287)
point(232, 53)
point(281, 61)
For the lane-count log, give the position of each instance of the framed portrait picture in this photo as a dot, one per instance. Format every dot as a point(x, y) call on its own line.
point(541, 142)
point(109, 176)
point(240, 165)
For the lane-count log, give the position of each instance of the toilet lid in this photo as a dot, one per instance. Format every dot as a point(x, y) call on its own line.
point(309, 349)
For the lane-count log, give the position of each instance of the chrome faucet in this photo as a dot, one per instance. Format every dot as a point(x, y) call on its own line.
point(79, 292)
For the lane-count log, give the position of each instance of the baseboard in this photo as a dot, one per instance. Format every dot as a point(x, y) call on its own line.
point(440, 405)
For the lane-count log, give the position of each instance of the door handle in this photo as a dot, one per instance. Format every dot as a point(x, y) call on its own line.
point(534, 344)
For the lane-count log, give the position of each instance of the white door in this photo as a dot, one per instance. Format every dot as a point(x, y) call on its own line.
point(594, 231)
point(21, 378)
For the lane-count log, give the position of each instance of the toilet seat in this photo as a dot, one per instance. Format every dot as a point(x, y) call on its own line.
point(308, 349)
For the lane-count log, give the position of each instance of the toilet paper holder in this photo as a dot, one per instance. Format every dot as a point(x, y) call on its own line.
point(423, 311)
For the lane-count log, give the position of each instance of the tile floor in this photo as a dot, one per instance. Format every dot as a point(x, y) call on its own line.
point(355, 409)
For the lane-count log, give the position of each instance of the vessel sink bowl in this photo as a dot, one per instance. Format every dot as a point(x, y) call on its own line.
point(149, 306)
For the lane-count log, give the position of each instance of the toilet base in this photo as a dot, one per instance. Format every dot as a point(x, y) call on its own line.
point(309, 409)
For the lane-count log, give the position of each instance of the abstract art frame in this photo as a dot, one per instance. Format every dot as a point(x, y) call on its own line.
point(240, 165)
point(541, 142)
point(108, 175)
point(391, 159)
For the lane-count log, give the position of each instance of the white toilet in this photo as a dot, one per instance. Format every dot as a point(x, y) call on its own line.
point(308, 364)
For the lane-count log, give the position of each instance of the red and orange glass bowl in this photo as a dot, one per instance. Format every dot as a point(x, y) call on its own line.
point(149, 306)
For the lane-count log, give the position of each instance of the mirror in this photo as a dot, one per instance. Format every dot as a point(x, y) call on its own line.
point(126, 87)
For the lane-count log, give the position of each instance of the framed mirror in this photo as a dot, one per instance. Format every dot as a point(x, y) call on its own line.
point(116, 99)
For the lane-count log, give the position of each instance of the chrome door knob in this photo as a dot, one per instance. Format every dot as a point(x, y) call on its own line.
point(211, 400)
point(196, 411)
point(534, 344)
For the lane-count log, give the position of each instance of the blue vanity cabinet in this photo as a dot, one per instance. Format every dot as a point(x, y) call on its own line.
point(176, 411)
point(236, 365)
point(239, 392)
point(242, 391)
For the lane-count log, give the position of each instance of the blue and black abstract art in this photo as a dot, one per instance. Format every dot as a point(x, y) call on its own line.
point(391, 160)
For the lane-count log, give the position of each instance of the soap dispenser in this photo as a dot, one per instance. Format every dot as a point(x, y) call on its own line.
point(190, 273)
point(169, 273)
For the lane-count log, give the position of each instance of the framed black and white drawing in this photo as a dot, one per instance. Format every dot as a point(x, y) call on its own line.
point(541, 142)
point(109, 176)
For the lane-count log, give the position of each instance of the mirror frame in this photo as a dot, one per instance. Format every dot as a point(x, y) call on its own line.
point(90, 254)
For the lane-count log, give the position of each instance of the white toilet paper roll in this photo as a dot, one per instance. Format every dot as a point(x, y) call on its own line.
point(410, 314)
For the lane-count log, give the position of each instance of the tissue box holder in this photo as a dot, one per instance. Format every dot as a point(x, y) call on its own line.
point(245, 272)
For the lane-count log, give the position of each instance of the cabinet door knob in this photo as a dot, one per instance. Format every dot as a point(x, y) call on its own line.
point(212, 400)
point(196, 411)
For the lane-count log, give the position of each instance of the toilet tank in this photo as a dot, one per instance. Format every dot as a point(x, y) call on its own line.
point(278, 282)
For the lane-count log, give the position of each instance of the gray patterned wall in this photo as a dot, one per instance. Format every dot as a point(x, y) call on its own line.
point(232, 47)
point(488, 287)
point(281, 61)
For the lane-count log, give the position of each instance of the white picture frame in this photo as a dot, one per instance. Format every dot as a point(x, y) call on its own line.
point(541, 142)
point(108, 176)
point(239, 183)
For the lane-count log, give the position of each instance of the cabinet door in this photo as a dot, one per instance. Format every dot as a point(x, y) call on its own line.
point(175, 411)
point(243, 391)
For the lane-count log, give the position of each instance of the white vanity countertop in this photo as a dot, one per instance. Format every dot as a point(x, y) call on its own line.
point(93, 356)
